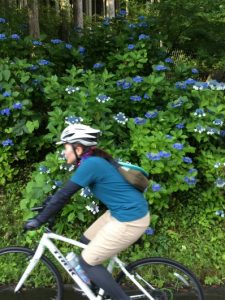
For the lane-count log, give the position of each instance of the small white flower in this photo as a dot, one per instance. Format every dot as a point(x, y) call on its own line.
point(71, 168)
point(217, 165)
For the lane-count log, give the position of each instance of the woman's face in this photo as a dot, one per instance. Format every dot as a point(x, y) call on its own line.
point(69, 153)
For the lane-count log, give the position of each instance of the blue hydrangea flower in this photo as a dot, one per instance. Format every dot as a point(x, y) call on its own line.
point(6, 94)
point(43, 62)
point(169, 60)
point(194, 71)
point(178, 146)
point(222, 132)
point(199, 112)
point(217, 165)
point(143, 24)
point(153, 156)
point(220, 86)
point(33, 68)
point(15, 36)
point(56, 41)
point(102, 98)
point(68, 46)
point(138, 79)
point(17, 105)
point(200, 86)
point(44, 169)
point(190, 180)
point(211, 131)
point(123, 12)
point(160, 68)
point(177, 103)
point(106, 21)
point(187, 160)
point(37, 43)
point(131, 47)
point(81, 50)
point(93, 207)
point(151, 114)
point(7, 142)
point(190, 81)
point(139, 121)
point(132, 25)
point(168, 136)
point(220, 213)
point(98, 65)
point(36, 82)
point(180, 85)
point(220, 182)
point(73, 120)
point(120, 118)
point(180, 126)
point(192, 170)
point(156, 187)
point(57, 183)
point(5, 112)
point(143, 36)
point(2, 36)
point(120, 82)
point(199, 129)
point(149, 231)
point(164, 154)
point(135, 98)
point(218, 122)
point(86, 192)
point(2, 20)
point(71, 89)
point(124, 84)
point(146, 96)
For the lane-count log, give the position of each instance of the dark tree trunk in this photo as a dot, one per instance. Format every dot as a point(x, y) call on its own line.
point(78, 13)
point(34, 29)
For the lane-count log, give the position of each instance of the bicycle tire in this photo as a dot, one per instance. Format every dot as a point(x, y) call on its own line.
point(161, 274)
point(45, 275)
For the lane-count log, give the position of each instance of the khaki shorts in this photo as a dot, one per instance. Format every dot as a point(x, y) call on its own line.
point(109, 236)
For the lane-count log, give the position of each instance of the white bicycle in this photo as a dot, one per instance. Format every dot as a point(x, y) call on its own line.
point(151, 278)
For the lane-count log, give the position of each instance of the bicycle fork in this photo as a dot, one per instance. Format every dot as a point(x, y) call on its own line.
point(33, 262)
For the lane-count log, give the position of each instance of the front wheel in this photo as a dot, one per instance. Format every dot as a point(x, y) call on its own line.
point(44, 282)
point(163, 279)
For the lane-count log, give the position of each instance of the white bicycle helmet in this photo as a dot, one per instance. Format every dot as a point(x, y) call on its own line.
point(79, 133)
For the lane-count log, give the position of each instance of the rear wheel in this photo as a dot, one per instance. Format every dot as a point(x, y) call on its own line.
point(44, 282)
point(163, 279)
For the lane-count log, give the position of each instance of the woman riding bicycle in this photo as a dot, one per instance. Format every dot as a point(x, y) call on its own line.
point(120, 226)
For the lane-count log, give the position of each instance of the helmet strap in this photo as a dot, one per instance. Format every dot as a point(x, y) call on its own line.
point(77, 161)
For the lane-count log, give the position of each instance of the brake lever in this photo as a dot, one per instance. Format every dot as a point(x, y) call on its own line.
point(37, 208)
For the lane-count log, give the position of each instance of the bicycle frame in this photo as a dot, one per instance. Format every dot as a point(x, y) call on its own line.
point(46, 242)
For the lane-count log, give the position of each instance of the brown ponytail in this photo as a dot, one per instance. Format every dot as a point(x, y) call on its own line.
point(101, 153)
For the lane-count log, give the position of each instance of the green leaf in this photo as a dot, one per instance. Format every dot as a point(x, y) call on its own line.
point(31, 126)
point(6, 74)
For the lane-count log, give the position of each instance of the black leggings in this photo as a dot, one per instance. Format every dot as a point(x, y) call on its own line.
point(102, 277)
